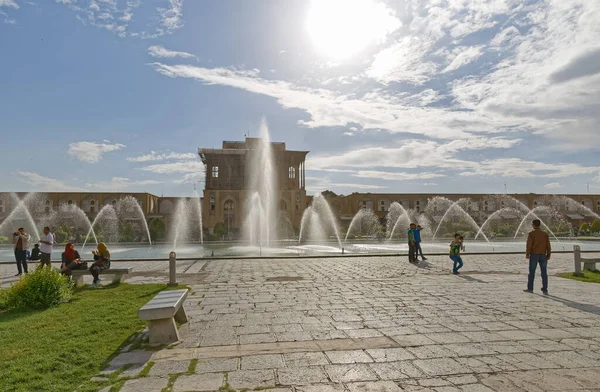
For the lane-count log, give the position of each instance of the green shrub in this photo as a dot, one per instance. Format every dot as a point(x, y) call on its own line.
point(43, 288)
point(3, 239)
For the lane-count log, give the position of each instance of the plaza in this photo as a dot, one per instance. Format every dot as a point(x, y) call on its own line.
point(373, 324)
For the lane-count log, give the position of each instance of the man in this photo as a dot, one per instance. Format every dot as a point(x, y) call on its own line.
point(412, 244)
point(21, 242)
point(46, 244)
point(538, 252)
point(418, 248)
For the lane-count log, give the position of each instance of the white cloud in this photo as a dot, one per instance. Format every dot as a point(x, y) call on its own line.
point(8, 3)
point(462, 56)
point(176, 167)
point(319, 184)
point(160, 51)
point(91, 152)
point(553, 185)
point(171, 17)
point(46, 184)
point(119, 183)
point(396, 176)
point(153, 156)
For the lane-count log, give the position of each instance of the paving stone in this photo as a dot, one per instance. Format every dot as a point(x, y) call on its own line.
point(132, 371)
point(440, 366)
point(301, 376)
point(305, 359)
point(390, 354)
point(459, 380)
point(251, 379)
point(149, 384)
point(132, 357)
point(349, 356)
point(350, 373)
point(258, 338)
point(320, 388)
point(164, 368)
point(199, 382)
point(377, 386)
point(262, 362)
point(216, 365)
point(396, 370)
point(413, 340)
point(363, 333)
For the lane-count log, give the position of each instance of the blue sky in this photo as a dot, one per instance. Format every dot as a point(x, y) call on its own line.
point(388, 96)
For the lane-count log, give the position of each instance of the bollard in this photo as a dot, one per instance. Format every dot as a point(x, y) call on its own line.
point(172, 269)
point(577, 256)
point(342, 250)
point(212, 253)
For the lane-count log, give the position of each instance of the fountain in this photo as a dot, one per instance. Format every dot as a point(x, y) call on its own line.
point(15, 220)
point(534, 213)
point(365, 222)
point(316, 218)
point(457, 209)
point(199, 208)
point(108, 224)
point(397, 215)
point(260, 223)
point(128, 205)
point(184, 225)
point(70, 215)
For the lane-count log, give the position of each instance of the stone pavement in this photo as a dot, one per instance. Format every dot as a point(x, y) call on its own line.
point(374, 324)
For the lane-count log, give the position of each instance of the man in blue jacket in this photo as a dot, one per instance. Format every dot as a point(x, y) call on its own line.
point(418, 249)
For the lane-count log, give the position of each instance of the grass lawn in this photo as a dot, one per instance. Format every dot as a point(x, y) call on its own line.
point(60, 348)
point(588, 276)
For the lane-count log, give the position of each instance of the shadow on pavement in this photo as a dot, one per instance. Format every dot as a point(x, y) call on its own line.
point(593, 309)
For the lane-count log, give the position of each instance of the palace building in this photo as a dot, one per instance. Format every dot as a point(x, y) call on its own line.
point(228, 182)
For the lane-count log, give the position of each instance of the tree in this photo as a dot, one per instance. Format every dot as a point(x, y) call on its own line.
point(157, 228)
point(328, 193)
point(595, 227)
point(126, 232)
point(585, 227)
point(220, 229)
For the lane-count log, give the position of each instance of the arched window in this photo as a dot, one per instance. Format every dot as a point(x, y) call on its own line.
point(598, 205)
point(292, 172)
point(228, 206)
point(215, 171)
point(282, 205)
point(1, 206)
point(92, 202)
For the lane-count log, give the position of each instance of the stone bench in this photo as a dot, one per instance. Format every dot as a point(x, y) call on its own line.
point(161, 312)
point(118, 273)
point(588, 264)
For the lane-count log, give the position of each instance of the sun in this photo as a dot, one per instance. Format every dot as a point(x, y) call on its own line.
point(342, 28)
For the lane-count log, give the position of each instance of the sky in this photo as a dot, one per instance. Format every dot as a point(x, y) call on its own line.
point(404, 96)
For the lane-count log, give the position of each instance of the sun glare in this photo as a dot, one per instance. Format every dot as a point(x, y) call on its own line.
point(342, 28)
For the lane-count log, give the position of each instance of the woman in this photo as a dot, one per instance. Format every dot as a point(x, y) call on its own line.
point(71, 260)
point(102, 257)
point(455, 247)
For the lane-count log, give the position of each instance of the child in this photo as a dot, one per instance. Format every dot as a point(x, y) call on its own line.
point(455, 247)
point(35, 253)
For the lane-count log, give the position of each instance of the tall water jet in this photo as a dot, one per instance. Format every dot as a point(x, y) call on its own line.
point(129, 205)
point(106, 224)
point(459, 211)
point(184, 225)
point(20, 216)
point(261, 227)
point(72, 216)
point(500, 214)
point(397, 216)
point(320, 213)
point(198, 203)
point(534, 213)
point(364, 222)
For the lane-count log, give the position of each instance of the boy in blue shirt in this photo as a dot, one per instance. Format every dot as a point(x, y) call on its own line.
point(417, 234)
point(412, 244)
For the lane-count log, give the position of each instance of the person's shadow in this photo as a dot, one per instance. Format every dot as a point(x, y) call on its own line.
point(471, 279)
point(593, 309)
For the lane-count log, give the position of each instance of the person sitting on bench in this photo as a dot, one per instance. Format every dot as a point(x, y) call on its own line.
point(102, 257)
point(71, 260)
point(36, 254)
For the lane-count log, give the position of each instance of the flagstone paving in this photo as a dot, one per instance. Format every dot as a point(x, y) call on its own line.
point(373, 324)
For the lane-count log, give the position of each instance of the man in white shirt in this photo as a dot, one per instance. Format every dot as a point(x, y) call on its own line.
point(46, 244)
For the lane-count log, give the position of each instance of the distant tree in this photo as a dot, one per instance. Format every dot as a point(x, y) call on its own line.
point(328, 193)
point(595, 227)
point(157, 228)
point(585, 227)
point(220, 229)
point(126, 232)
